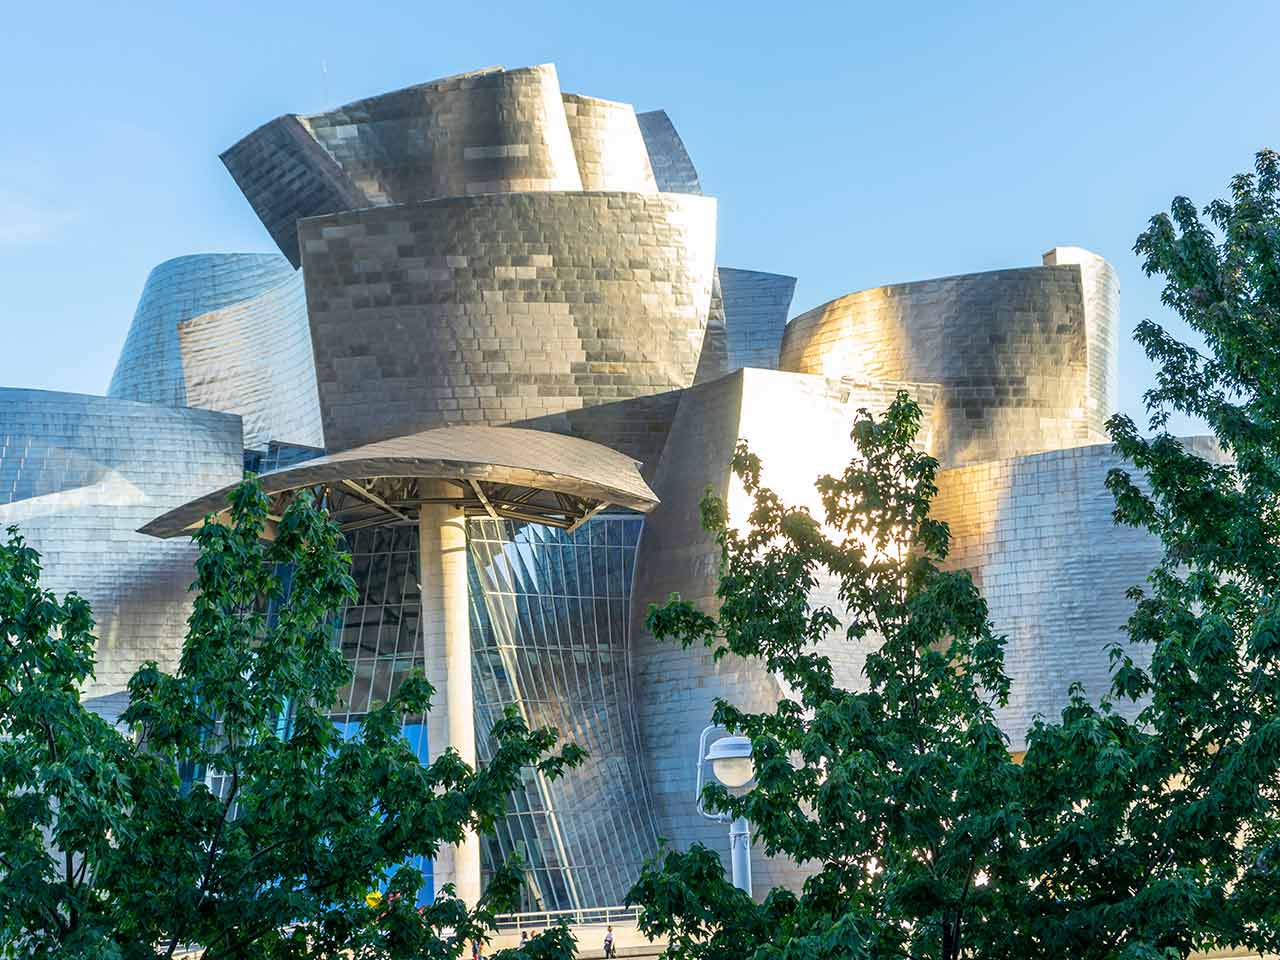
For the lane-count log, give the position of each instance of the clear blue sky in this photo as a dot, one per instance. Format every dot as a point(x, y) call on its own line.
point(849, 144)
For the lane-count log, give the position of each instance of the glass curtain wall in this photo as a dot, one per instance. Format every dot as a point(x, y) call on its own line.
point(380, 635)
point(549, 624)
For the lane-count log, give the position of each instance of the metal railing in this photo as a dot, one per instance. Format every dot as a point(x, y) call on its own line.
point(587, 916)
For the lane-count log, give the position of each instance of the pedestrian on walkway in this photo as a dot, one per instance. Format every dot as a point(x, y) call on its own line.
point(608, 943)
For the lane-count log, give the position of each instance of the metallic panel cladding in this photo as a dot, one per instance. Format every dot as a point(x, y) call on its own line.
point(755, 310)
point(150, 365)
point(490, 309)
point(550, 637)
point(492, 131)
point(1037, 535)
point(226, 332)
point(608, 145)
point(1025, 357)
point(676, 688)
point(79, 475)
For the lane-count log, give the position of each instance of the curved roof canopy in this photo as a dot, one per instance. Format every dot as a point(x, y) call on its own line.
point(501, 472)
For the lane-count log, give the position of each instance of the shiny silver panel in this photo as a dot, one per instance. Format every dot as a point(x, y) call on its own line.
point(1025, 357)
point(490, 309)
point(755, 314)
point(226, 332)
point(550, 636)
point(79, 475)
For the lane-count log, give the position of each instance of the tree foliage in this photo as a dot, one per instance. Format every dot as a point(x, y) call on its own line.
point(1117, 838)
point(902, 797)
point(1163, 836)
point(106, 853)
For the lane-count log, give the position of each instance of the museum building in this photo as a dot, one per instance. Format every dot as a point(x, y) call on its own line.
point(497, 340)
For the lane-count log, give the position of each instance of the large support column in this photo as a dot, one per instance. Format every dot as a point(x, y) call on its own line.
point(446, 632)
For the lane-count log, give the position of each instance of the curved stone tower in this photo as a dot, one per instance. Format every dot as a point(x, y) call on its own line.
point(1025, 357)
point(226, 332)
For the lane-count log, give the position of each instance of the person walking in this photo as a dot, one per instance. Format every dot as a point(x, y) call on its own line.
point(608, 942)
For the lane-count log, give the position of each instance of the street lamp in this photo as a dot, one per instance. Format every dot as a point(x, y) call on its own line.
point(731, 764)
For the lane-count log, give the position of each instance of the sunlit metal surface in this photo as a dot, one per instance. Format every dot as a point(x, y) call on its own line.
point(503, 307)
point(79, 475)
point(490, 131)
point(1025, 357)
point(501, 472)
point(608, 145)
point(550, 636)
point(1037, 535)
point(226, 332)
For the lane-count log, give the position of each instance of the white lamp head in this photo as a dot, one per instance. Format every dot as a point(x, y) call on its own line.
point(731, 762)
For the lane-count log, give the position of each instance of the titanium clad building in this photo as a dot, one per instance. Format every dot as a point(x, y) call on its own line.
point(495, 334)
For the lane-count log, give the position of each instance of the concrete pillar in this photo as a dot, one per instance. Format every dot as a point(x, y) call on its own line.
point(446, 632)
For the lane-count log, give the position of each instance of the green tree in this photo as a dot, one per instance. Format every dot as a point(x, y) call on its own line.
point(1162, 836)
point(1116, 839)
point(105, 853)
point(903, 797)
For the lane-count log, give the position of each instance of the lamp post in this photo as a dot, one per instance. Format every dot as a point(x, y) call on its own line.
point(731, 764)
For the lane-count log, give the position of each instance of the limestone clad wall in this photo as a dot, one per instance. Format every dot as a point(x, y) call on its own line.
point(1024, 356)
point(79, 475)
point(503, 307)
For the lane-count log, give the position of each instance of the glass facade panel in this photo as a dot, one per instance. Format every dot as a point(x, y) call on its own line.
point(549, 637)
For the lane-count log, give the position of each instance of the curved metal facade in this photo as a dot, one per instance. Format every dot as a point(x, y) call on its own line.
point(492, 131)
point(549, 628)
point(226, 332)
point(675, 688)
point(150, 365)
point(673, 168)
point(608, 145)
point(503, 307)
point(755, 313)
point(1024, 356)
point(1059, 605)
point(79, 475)
point(486, 250)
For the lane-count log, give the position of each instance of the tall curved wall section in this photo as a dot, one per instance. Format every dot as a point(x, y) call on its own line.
point(1037, 535)
point(676, 688)
point(503, 307)
point(254, 358)
point(1024, 357)
point(150, 365)
point(493, 131)
point(608, 145)
point(226, 332)
point(79, 475)
point(673, 168)
point(755, 310)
